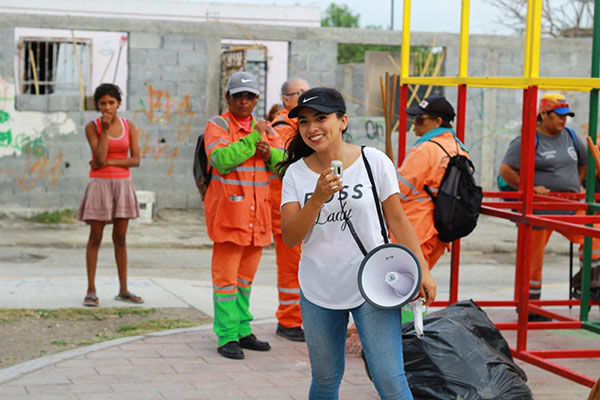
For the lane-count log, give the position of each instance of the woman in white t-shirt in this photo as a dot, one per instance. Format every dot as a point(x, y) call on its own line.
point(311, 213)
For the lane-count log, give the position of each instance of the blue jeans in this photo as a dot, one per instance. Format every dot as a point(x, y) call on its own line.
point(380, 333)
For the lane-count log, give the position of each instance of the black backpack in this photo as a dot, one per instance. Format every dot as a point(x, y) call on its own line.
point(458, 200)
point(202, 171)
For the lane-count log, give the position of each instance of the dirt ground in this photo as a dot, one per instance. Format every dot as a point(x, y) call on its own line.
point(29, 338)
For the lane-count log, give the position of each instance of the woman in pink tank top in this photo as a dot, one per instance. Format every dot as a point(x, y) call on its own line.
point(110, 196)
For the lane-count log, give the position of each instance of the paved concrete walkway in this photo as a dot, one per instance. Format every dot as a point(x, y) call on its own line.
point(170, 267)
point(174, 365)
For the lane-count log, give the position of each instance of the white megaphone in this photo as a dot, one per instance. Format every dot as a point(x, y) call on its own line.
point(389, 277)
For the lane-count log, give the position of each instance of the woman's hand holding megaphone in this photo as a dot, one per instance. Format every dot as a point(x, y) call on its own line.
point(428, 289)
point(404, 233)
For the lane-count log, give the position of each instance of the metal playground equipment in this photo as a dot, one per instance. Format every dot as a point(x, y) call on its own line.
point(524, 200)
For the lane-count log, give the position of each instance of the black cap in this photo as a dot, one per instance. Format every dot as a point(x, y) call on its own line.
point(435, 105)
point(321, 99)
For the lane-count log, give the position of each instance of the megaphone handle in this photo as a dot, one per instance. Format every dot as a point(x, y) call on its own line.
point(417, 309)
point(418, 315)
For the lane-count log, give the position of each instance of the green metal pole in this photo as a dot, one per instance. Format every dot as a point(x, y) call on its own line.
point(591, 170)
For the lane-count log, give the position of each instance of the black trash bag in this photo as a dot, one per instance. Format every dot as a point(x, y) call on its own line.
point(462, 356)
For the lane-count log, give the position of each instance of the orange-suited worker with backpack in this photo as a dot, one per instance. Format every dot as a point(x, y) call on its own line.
point(424, 167)
point(289, 319)
point(241, 152)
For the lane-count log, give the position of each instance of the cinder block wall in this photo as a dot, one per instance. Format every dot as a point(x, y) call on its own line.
point(173, 88)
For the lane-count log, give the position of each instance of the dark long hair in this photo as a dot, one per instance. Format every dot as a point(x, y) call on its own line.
point(109, 89)
point(296, 148)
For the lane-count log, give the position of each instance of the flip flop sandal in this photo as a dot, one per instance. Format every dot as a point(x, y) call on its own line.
point(129, 298)
point(90, 301)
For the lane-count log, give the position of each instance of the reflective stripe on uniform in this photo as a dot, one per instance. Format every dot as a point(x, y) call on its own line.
point(403, 197)
point(224, 299)
point(220, 122)
point(407, 184)
point(594, 252)
point(285, 290)
point(244, 291)
point(210, 146)
point(288, 302)
point(418, 199)
point(244, 282)
point(232, 287)
point(249, 169)
point(238, 182)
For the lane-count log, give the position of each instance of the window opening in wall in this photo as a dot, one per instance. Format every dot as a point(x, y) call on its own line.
point(54, 65)
point(232, 61)
point(250, 58)
point(59, 69)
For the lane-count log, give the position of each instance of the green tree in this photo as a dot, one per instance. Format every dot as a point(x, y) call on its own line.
point(340, 16)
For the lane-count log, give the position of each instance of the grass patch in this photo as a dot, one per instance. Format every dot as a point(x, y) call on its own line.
point(99, 338)
point(65, 216)
point(138, 328)
point(153, 325)
point(59, 343)
point(8, 315)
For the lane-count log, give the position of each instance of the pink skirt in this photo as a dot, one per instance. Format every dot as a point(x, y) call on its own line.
point(108, 199)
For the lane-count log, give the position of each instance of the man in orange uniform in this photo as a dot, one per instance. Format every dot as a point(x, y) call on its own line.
point(424, 166)
point(238, 211)
point(288, 313)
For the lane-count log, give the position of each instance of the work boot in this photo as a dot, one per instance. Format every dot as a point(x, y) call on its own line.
point(294, 334)
point(231, 350)
point(250, 342)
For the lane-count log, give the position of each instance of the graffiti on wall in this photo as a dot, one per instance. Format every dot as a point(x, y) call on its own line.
point(367, 131)
point(163, 111)
point(37, 169)
point(22, 134)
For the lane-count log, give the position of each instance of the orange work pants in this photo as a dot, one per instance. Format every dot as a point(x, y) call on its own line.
point(288, 288)
point(539, 240)
point(233, 268)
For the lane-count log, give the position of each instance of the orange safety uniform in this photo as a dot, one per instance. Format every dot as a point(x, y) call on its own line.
point(540, 236)
point(539, 240)
point(426, 165)
point(237, 210)
point(287, 258)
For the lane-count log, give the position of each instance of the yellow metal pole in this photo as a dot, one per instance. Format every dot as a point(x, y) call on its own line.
point(81, 90)
point(34, 70)
point(405, 49)
point(536, 38)
point(463, 53)
point(528, 28)
point(533, 37)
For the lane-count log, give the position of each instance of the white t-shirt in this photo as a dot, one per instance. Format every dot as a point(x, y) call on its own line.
point(330, 260)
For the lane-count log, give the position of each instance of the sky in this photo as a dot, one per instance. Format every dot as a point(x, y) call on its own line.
point(426, 15)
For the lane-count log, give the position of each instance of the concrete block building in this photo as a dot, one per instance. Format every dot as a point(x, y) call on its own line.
point(172, 66)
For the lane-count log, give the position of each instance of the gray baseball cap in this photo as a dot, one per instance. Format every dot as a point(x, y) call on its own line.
point(242, 81)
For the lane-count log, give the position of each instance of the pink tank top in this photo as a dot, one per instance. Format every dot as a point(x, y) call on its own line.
point(118, 148)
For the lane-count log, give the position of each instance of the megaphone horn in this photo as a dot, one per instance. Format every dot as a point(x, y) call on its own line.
point(389, 276)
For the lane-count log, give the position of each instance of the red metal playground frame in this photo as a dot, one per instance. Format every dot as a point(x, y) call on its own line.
point(524, 200)
point(527, 201)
